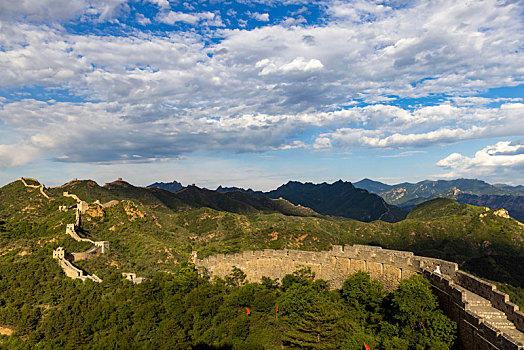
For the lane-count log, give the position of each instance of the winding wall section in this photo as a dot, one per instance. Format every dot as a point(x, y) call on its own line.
point(485, 317)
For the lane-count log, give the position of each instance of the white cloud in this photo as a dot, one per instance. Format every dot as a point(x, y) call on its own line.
point(41, 11)
point(105, 9)
point(117, 132)
point(264, 87)
point(381, 126)
point(263, 17)
point(173, 17)
point(299, 64)
point(322, 143)
point(142, 20)
point(160, 3)
point(293, 145)
point(45, 11)
point(405, 154)
point(208, 18)
point(503, 158)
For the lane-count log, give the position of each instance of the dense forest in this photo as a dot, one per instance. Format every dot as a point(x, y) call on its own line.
point(185, 310)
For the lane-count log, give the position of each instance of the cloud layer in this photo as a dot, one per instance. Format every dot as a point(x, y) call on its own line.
point(136, 95)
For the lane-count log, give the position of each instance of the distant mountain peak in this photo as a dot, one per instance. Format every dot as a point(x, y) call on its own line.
point(173, 186)
point(340, 198)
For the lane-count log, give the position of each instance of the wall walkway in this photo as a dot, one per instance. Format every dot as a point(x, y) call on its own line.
point(41, 187)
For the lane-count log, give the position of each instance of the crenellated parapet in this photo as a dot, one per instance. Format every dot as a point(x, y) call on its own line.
point(485, 317)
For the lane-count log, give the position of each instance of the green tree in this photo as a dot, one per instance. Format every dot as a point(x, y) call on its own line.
point(414, 309)
point(313, 317)
point(361, 293)
point(236, 278)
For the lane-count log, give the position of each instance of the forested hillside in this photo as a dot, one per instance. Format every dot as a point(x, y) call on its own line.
point(150, 235)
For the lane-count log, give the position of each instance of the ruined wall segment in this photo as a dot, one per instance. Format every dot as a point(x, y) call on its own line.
point(100, 247)
point(71, 230)
point(40, 187)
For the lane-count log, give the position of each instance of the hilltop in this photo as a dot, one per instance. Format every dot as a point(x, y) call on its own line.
point(174, 186)
point(339, 199)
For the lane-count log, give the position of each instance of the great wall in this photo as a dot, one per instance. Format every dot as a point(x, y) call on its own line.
point(486, 319)
point(65, 258)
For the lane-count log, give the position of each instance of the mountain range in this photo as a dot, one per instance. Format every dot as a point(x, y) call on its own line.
point(347, 200)
point(151, 229)
point(466, 191)
point(340, 199)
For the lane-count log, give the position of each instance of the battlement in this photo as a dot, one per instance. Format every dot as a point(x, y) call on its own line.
point(130, 276)
point(41, 187)
point(103, 246)
point(499, 300)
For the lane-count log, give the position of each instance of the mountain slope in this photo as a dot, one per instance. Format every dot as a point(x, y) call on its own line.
point(148, 235)
point(372, 186)
point(190, 197)
point(513, 204)
point(238, 202)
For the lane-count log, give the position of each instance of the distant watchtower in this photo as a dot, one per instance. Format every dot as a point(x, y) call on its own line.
point(59, 253)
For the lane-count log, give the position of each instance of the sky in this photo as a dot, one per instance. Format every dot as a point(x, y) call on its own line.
point(257, 93)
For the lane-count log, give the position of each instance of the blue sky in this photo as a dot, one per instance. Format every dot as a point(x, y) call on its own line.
point(256, 93)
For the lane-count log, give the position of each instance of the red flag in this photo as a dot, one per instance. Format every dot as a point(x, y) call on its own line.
point(248, 311)
point(277, 308)
point(366, 347)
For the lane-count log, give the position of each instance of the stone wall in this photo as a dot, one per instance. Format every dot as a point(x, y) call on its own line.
point(130, 276)
point(485, 317)
point(41, 187)
point(71, 270)
point(71, 229)
point(60, 253)
point(386, 266)
point(98, 248)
